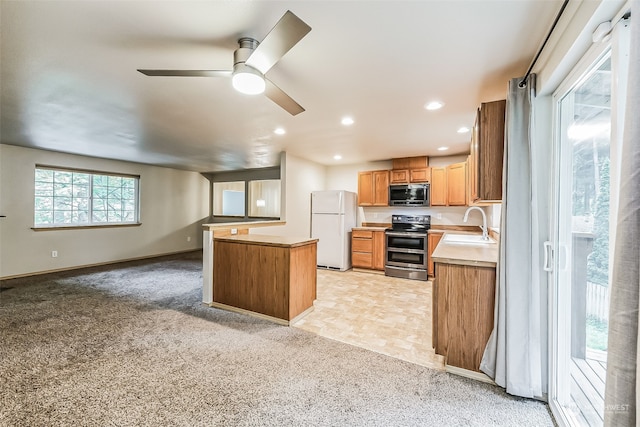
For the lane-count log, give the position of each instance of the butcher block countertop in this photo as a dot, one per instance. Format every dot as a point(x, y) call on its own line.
point(479, 255)
point(267, 240)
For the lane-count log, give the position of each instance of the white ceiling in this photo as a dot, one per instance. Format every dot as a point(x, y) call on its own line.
point(69, 81)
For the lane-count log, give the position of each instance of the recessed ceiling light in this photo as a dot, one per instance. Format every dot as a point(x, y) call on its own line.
point(434, 105)
point(463, 129)
point(337, 157)
point(443, 148)
point(347, 121)
point(279, 131)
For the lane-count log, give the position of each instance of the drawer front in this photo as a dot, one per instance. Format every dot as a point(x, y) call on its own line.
point(361, 245)
point(362, 234)
point(362, 259)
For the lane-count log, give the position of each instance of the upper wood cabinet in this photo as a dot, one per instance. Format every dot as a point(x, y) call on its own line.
point(399, 176)
point(373, 188)
point(410, 169)
point(439, 186)
point(487, 150)
point(449, 185)
point(457, 184)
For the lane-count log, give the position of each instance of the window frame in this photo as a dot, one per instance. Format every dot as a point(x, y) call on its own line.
point(90, 223)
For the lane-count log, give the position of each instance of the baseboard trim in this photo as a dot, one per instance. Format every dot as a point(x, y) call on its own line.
point(249, 313)
point(366, 270)
point(277, 320)
point(99, 264)
point(478, 376)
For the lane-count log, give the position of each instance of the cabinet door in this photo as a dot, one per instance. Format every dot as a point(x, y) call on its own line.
point(457, 184)
point(380, 188)
point(432, 241)
point(438, 186)
point(473, 161)
point(399, 176)
point(491, 150)
point(401, 163)
point(365, 188)
point(419, 162)
point(420, 175)
point(465, 304)
point(379, 250)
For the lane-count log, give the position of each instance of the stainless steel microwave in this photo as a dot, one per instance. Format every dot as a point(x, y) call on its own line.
point(409, 195)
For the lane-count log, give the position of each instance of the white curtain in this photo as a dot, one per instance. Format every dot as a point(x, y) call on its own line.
point(513, 355)
point(621, 394)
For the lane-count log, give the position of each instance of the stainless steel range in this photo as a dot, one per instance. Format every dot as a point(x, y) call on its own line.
point(407, 250)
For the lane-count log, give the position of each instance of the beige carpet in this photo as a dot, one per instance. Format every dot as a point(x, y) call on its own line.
point(131, 345)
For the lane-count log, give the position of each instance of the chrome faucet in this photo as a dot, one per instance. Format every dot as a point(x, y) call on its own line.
point(485, 230)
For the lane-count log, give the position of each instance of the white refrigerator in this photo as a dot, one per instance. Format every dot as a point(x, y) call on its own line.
point(333, 215)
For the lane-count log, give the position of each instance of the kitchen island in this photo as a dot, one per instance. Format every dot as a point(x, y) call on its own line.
point(272, 277)
point(222, 229)
point(463, 303)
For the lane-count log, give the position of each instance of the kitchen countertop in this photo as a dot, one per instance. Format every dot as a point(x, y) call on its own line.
point(242, 225)
point(479, 255)
point(370, 228)
point(267, 240)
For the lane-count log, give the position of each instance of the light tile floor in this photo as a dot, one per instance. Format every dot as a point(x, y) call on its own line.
point(384, 314)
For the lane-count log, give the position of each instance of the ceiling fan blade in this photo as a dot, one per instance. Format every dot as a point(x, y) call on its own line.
point(187, 73)
point(278, 96)
point(283, 36)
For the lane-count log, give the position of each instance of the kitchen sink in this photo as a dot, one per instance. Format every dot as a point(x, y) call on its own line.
point(469, 239)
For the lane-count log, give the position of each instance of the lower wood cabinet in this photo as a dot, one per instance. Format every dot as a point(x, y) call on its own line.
point(368, 249)
point(433, 239)
point(463, 302)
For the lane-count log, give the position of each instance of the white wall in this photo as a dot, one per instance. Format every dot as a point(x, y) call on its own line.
point(345, 177)
point(300, 178)
point(173, 205)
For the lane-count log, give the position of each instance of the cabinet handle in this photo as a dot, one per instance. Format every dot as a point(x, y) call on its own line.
point(548, 256)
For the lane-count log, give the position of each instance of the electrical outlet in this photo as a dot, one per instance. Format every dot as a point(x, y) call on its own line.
point(234, 231)
point(54, 254)
point(438, 215)
point(188, 238)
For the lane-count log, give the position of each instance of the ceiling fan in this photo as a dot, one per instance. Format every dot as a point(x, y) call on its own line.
point(253, 59)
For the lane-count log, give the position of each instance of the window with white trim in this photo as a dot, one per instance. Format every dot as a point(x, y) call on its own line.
point(69, 197)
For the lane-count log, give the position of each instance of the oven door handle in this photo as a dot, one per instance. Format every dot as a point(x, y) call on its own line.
point(406, 250)
point(402, 234)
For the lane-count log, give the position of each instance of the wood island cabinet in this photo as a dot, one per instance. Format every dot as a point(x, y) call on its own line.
point(487, 151)
point(373, 188)
point(368, 249)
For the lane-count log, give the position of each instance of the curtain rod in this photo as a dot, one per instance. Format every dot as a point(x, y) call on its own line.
point(555, 22)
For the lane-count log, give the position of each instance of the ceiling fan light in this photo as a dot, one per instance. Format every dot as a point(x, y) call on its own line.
point(248, 80)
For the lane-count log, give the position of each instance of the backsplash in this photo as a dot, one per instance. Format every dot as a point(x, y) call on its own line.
point(439, 215)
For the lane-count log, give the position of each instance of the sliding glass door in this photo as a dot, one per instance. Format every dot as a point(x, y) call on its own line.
point(586, 117)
